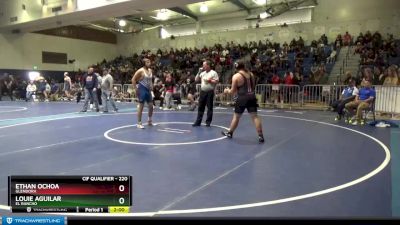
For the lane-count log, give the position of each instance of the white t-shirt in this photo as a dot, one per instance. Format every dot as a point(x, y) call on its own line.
point(31, 87)
point(355, 90)
point(205, 76)
point(107, 82)
point(48, 88)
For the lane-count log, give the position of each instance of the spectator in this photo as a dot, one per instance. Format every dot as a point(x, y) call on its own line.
point(21, 89)
point(392, 79)
point(275, 79)
point(30, 90)
point(367, 76)
point(332, 57)
point(159, 92)
point(288, 89)
point(347, 39)
point(177, 95)
point(98, 89)
point(47, 90)
point(378, 78)
point(218, 68)
point(3, 84)
point(107, 83)
point(324, 39)
point(77, 88)
point(288, 78)
point(54, 91)
point(317, 75)
point(41, 88)
point(360, 39)
point(275, 95)
point(338, 42)
point(362, 101)
point(90, 83)
point(297, 79)
point(10, 85)
point(348, 95)
point(191, 92)
point(169, 85)
point(347, 78)
point(359, 48)
point(67, 86)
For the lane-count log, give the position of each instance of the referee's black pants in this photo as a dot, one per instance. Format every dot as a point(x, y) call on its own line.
point(206, 99)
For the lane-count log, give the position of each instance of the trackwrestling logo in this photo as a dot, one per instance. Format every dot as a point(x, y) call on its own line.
point(33, 220)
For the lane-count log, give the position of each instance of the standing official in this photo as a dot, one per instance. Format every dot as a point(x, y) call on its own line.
point(107, 83)
point(209, 80)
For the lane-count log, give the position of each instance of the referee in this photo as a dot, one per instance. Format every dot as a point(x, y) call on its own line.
point(209, 80)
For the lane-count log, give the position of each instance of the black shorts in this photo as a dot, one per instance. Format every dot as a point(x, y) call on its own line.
point(244, 102)
point(41, 89)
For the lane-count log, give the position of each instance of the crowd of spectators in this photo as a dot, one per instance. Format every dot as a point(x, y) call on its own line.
point(388, 77)
point(265, 58)
point(272, 63)
point(17, 88)
point(379, 58)
point(179, 61)
point(307, 64)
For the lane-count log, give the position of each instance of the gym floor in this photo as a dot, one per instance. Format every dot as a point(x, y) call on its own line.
point(310, 165)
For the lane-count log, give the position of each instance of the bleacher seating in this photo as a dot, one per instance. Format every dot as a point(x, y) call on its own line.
point(329, 67)
point(307, 64)
point(394, 60)
point(281, 73)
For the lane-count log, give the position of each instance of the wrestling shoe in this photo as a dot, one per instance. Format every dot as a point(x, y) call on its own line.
point(228, 134)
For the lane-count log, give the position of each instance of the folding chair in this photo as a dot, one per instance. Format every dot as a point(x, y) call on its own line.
point(370, 109)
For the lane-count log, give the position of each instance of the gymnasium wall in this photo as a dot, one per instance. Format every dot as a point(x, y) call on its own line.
point(24, 51)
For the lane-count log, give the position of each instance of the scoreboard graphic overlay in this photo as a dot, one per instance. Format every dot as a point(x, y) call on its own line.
point(82, 194)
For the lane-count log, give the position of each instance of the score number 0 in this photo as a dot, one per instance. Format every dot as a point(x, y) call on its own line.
point(121, 200)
